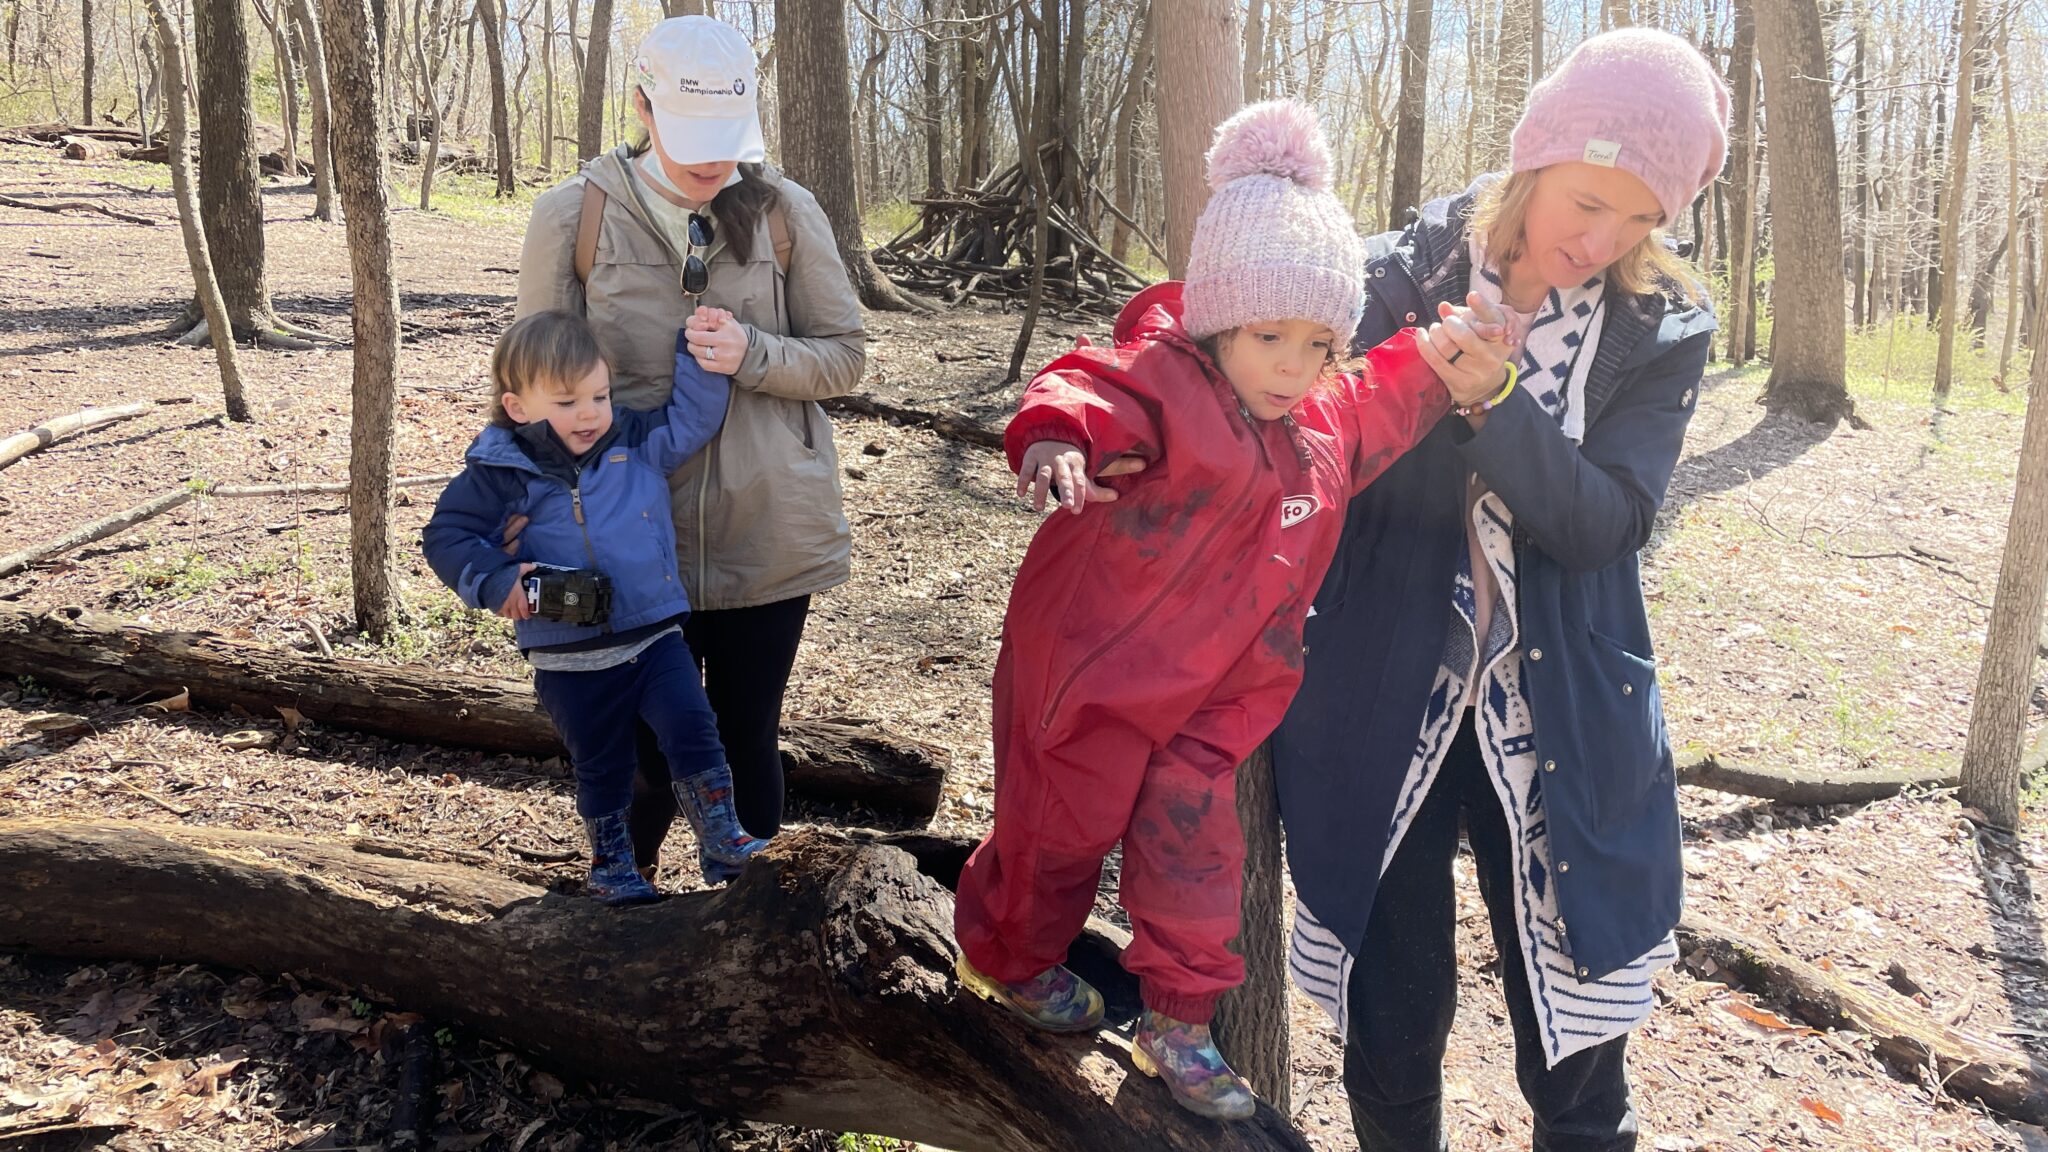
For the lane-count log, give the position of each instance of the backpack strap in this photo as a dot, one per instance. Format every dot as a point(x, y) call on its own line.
point(587, 226)
point(778, 232)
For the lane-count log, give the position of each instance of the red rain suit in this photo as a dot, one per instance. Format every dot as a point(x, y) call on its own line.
point(1152, 643)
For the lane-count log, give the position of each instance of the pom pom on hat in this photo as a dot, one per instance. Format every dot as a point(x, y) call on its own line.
point(1277, 138)
point(1273, 243)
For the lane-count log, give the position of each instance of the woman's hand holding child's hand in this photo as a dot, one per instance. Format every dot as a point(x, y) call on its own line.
point(1469, 347)
point(1052, 463)
point(515, 607)
point(717, 340)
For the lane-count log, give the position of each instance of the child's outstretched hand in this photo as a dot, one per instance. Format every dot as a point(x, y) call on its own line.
point(1051, 464)
point(717, 340)
point(515, 606)
point(1469, 347)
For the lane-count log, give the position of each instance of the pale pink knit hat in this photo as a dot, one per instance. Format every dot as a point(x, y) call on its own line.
point(1636, 99)
point(1273, 243)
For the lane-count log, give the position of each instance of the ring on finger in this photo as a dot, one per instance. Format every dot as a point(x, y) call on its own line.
point(1455, 354)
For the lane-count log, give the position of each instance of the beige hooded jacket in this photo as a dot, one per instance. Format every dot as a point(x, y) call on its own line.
point(757, 513)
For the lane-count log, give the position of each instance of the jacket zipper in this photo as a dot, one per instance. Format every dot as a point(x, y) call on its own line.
point(1060, 694)
point(576, 504)
point(703, 494)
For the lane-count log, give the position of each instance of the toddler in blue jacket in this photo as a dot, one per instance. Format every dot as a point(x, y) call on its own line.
point(592, 482)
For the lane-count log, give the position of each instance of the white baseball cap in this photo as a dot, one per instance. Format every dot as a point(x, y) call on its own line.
point(698, 74)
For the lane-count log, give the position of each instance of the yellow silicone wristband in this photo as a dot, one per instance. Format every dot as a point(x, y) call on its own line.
point(1497, 399)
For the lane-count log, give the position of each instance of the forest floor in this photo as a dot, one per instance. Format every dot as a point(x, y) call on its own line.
point(1818, 599)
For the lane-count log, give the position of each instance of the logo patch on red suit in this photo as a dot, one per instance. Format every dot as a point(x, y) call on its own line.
point(1295, 509)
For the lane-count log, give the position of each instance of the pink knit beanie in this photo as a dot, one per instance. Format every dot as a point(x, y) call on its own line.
point(1636, 99)
point(1273, 243)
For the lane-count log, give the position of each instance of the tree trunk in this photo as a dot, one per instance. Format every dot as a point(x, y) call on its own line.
point(93, 653)
point(177, 142)
point(675, 8)
point(933, 107)
point(596, 73)
point(501, 116)
point(373, 309)
point(2005, 683)
point(547, 68)
point(1742, 183)
point(1535, 41)
point(817, 989)
point(230, 191)
point(2012, 213)
point(1198, 89)
point(1808, 361)
point(1126, 158)
point(1409, 124)
point(1859, 259)
point(85, 101)
point(1511, 80)
point(1254, 50)
point(317, 96)
point(814, 100)
point(1251, 1021)
point(1952, 213)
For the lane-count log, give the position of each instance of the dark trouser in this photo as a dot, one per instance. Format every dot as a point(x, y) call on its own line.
point(746, 655)
point(1404, 989)
point(660, 693)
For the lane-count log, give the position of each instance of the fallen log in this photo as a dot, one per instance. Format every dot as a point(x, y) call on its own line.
point(118, 522)
point(63, 427)
point(80, 650)
point(951, 425)
point(2003, 1079)
point(817, 989)
point(1794, 786)
point(62, 206)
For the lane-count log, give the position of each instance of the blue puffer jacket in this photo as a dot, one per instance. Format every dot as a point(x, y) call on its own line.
point(608, 509)
point(1581, 514)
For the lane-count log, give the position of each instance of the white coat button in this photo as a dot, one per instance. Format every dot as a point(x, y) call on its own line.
point(1535, 653)
point(1585, 972)
point(1411, 317)
point(1564, 865)
point(1628, 689)
point(1550, 765)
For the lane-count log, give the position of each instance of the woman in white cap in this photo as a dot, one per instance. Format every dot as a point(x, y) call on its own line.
point(692, 215)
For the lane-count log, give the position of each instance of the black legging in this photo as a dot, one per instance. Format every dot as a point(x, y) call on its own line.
point(746, 654)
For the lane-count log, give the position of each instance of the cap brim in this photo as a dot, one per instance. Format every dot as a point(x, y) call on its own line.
point(710, 139)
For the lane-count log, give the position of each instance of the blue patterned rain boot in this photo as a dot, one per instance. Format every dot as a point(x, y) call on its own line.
point(613, 879)
point(723, 846)
point(1055, 999)
point(1185, 1056)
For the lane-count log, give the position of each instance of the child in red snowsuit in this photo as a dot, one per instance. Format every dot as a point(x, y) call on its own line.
point(1151, 644)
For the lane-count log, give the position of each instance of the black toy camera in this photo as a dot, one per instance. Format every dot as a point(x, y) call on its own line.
point(571, 595)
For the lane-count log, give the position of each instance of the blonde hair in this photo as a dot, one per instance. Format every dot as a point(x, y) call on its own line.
point(555, 348)
point(1649, 268)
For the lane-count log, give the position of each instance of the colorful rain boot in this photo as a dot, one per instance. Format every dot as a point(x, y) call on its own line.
point(723, 846)
point(1055, 999)
point(613, 879)
point(1185, 1056)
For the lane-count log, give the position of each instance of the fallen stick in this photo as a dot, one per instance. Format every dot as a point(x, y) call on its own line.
point(950, 425)
point(835, 760)
point(1908, 1040)
point(62, 206)
point(156, 506)
point(63, 427)
point(817, 989)
point(1790, 786)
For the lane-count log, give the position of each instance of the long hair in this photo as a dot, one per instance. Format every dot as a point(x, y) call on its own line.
point(1649, 268)
point(738, 208)
point(545, 348)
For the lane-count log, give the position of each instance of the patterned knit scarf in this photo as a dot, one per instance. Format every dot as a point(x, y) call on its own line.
point(1551, 366)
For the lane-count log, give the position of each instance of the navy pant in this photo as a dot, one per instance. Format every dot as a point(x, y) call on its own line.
point(598, 715)
point(746, 654)
point(1404, 988)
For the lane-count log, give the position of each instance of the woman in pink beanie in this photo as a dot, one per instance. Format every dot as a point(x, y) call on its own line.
point(1485, 609)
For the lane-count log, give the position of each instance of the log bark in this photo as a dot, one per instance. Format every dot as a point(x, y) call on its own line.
point(2003, 1079)
point(1251, 1022)
point(838, 761)
point(1790, 786)
point(815, 990)
point(950, 425)
point(62, 206)
point(62, 427)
